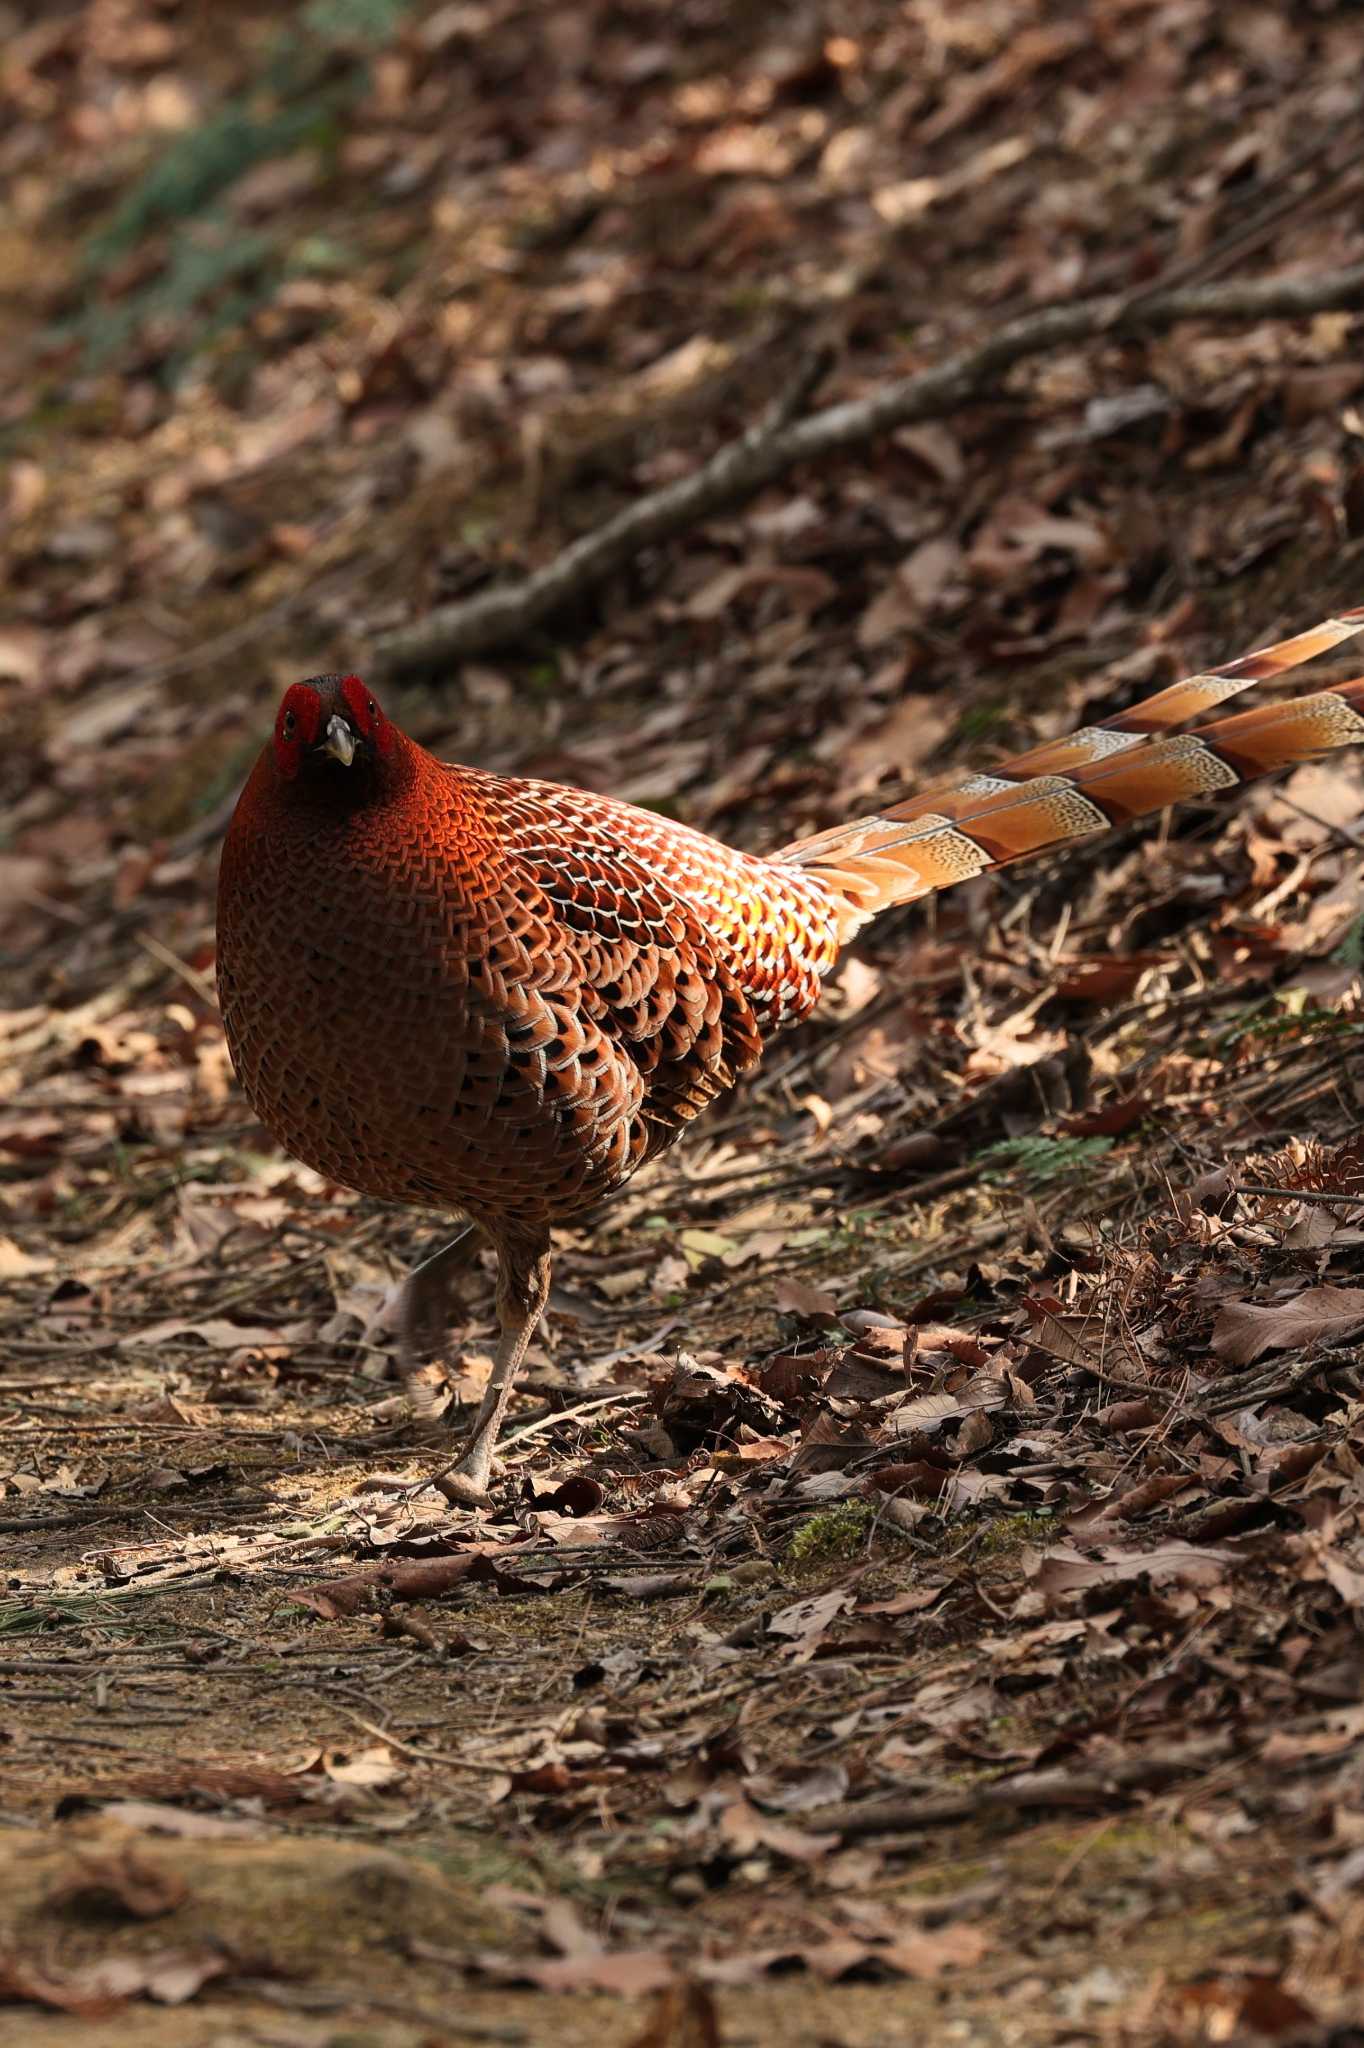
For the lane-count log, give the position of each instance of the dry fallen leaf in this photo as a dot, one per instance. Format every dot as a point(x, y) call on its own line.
point(927, 1952)
point(369, 1768)
point(1245, 1330)
point(806, 1620)
point(1067, 1570)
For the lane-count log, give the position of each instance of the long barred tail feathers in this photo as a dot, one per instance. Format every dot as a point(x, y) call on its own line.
point(1090, 781)
point(1190, 698)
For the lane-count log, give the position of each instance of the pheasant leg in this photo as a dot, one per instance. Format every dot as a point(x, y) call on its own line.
point(522, 1290)
point(424, 1299)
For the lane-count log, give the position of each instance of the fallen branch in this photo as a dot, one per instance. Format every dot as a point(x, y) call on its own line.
point(1101, 1785)
point(777, 442)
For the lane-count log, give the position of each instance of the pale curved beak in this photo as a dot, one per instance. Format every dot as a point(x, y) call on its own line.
point(339, 741)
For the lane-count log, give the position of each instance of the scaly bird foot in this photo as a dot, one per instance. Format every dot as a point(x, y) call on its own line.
point(461, 1489)
point(463, 1485)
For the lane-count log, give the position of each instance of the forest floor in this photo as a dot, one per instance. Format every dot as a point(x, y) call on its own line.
point(923, 1598)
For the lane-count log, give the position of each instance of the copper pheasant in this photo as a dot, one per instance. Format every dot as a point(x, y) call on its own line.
point(475, 993)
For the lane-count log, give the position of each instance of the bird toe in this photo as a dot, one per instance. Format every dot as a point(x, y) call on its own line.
point(462, 1489)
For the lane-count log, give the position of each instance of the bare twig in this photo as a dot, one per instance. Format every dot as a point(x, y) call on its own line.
point(493, 616)
point(777, 443)
point(623, 1397)
point(419, 1755)
point(1272, 206)
point(201, 985)
point(1102, 1784)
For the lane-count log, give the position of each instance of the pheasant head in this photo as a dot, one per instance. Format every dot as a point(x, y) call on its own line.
point(333, 748)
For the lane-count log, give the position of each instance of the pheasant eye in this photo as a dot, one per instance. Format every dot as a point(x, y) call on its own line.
point(372, 708)
point(288, 725)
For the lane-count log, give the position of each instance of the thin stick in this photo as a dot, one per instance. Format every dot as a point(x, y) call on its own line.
point(202, 987)
point(1102, 1785)
point(414, 1750)
point(624, 1397)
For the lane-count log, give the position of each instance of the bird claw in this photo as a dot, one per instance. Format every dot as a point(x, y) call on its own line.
point(461, 1489)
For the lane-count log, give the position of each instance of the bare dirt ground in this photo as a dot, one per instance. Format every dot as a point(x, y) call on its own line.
point(923, 1600)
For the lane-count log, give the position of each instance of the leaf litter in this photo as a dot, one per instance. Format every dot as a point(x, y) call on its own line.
point(934, 1554)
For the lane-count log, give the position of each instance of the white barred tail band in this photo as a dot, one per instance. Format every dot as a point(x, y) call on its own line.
point(1192, 697)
